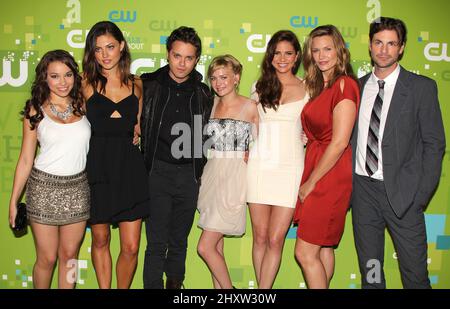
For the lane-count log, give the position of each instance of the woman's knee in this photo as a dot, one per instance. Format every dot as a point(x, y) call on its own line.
point(101, 240)
point(46, 261)
point(130, 248)
point(203, 249)
point(68, 252)
point(260, 237)
point(276, 242)
point(305, 256)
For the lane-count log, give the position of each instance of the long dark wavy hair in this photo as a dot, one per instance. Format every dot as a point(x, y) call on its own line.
point(40, 92)
point(269, 87)
point(92, 70)
point(313, 76)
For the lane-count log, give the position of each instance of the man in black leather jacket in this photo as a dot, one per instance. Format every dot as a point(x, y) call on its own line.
point(176, 107)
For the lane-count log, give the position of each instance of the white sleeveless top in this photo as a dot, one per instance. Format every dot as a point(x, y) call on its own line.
point(63, 147)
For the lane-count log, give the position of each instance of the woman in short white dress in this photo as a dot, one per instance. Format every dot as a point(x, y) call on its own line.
point(275, 163)
point(222, 197)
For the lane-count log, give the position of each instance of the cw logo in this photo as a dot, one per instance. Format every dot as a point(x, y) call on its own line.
point(257, 40)
point(122, 16)
point(161, 25)
point(300, 22)
point(77, 34)
point(432, 53)
point(7, 76)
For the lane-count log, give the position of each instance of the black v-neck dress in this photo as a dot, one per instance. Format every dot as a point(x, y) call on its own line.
point(116, 172)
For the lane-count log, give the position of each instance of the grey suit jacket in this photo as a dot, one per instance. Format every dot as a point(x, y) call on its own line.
point(413, 142)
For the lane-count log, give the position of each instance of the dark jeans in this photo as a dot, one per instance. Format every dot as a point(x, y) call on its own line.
point(173, 201)
point(372, 214)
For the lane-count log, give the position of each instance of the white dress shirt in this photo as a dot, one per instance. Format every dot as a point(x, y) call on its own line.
point(370, 92)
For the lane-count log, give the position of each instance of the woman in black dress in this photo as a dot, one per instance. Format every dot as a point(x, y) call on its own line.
point(115, 167)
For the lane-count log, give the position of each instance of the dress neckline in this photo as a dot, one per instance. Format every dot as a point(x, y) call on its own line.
point(230, 119)
point(118, 102)
point(306, 96)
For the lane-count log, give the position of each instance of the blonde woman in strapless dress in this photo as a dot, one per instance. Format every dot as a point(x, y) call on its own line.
point(275, 163)
point(222, 199)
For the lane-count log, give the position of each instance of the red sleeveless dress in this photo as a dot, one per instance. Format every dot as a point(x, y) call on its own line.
point(321, 217)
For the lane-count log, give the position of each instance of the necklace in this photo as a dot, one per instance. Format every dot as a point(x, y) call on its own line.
point(61, 115)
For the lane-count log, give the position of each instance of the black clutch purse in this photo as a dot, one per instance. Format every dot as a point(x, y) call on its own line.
point(21, 217)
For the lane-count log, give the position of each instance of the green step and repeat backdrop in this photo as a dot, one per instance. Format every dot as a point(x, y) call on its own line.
point(29, 28)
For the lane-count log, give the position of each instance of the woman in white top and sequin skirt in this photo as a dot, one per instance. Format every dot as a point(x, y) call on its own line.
point(57, 191)
point(222, 198)
point(275, 163)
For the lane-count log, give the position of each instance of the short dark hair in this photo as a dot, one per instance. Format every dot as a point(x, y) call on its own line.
point(186, 35)
point(388, 23)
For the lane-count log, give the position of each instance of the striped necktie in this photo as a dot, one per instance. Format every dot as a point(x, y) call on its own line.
point(372, 153)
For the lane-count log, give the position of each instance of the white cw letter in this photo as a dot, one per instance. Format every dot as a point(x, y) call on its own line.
point(257, 37)
point(441, 57)
point(76, 32)
point(7, 77)
point(141, 63)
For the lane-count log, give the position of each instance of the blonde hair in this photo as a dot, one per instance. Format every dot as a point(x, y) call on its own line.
point(224, 61)
point(313, 76)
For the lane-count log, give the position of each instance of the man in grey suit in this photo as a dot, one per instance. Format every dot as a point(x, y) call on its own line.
point(398, 145)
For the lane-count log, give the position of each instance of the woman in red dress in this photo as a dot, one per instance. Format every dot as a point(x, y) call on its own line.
point(326, 185)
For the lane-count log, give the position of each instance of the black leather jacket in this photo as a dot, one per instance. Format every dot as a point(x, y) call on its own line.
point(153, 109)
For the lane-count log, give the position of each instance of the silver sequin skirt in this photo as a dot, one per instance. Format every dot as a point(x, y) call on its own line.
point(57, 200)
